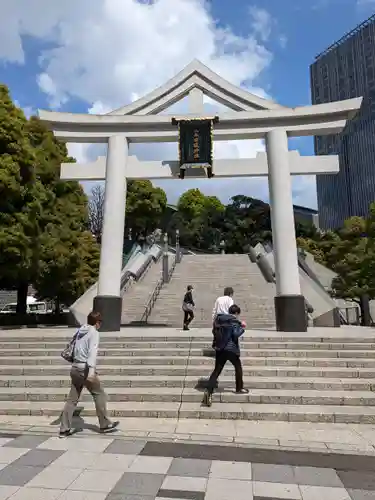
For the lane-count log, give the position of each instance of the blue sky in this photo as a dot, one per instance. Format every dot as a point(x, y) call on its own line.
point(104, 53)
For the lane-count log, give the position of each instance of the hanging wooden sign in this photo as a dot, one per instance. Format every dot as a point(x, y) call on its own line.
point(195, 144)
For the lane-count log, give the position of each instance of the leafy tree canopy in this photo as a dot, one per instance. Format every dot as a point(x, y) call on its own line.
point(145, 205)
point(42, 219)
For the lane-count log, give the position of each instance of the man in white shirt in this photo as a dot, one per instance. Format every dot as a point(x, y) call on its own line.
point(222, 305)
point(83, 374)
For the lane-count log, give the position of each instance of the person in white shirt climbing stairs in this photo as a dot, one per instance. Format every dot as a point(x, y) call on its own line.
point(222, 305)
point(83, 374)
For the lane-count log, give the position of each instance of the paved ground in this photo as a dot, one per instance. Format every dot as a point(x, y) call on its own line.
point(41, 467)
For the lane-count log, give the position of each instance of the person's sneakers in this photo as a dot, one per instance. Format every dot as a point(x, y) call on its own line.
point(65, 434)
point(207, 399)
point(243, 391)
point(186, 328)
point(110, 427)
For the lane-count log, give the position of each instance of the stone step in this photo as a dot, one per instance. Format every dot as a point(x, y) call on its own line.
point(56, 339)
point(202, 360)
point(235, 411)
point(115, 356)
point(190, 395)
point(246, 343)
point(178, 351)
point(261, 371)
point(210, 275)
point(121, 380)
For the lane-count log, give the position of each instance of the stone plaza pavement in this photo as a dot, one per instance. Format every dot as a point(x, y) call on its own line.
point(149, 459)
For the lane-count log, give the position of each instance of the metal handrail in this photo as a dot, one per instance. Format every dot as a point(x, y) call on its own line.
point(172, 268)
point(145, 270)
point(151, 301)
point(155, 294)
point(345, 312)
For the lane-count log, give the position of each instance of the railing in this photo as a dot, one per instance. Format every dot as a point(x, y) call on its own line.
point(155, 294)
point(151, 301)
point(345, 311)
point(146, 270)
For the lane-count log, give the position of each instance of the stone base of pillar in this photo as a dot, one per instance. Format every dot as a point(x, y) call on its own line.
point(110, 307)
point(290, 313)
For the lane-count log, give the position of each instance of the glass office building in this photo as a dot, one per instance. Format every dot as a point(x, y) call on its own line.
point(345, 70)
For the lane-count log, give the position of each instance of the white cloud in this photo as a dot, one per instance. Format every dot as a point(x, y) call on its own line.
point(109, 52)
point(262, 22)
point(48, 86)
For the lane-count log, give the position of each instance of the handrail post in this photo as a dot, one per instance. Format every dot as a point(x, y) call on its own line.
point(178, 250)
point(165, 260)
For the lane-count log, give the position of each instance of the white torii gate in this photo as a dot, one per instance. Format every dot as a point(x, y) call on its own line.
point(251, 118)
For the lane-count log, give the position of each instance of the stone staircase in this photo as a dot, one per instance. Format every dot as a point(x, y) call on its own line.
point(210, 274)
point(320, 376)
point(136, 297)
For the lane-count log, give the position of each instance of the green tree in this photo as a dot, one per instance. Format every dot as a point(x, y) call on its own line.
point(193, 203)
point(247, 222)
point(320, 246)
point(353, 259)
point(198, 220)
point(69, 265)
point(65, 249)
point(306, 230)
point(42, 219)
point(350, 252)
point(21, 199)
point(145, 205)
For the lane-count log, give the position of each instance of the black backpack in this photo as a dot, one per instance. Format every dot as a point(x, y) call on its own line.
point(221, 337)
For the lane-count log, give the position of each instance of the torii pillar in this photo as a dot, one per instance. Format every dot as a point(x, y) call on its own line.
point(109, 301)
point(290, 308)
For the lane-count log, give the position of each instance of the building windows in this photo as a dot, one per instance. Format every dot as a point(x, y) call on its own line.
point(347, 70)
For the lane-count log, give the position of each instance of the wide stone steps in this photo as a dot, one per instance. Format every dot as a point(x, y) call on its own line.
point(266, 371)
point(290, 378)
point(201, 361)
point(191, 395)
point(244, 411)
point(122, 380)
point(210, 274)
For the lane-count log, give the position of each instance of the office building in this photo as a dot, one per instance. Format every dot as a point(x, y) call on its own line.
point(343, 71)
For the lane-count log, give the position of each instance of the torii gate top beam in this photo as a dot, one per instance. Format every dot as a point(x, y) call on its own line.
point(251, 116)
point(321, 119)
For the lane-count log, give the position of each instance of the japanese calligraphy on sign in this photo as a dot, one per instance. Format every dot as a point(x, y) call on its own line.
point(195, 145)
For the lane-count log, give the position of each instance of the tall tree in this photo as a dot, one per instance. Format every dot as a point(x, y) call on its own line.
point(353, 259)
point(198, 219)
point(96, 211)
point(350, 252)
point(247, 222)
point(193, 202)
point(145, 205)
point(21, 198)
point(65, 246)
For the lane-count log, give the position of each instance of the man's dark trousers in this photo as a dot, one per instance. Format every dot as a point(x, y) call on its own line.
point(221, 358)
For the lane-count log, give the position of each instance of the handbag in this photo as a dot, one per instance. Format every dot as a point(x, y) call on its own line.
point(68, 353)
point(186, 307)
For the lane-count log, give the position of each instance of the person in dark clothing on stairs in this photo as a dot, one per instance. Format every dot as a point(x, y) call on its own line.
point(228, 330)
point(188, 307)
